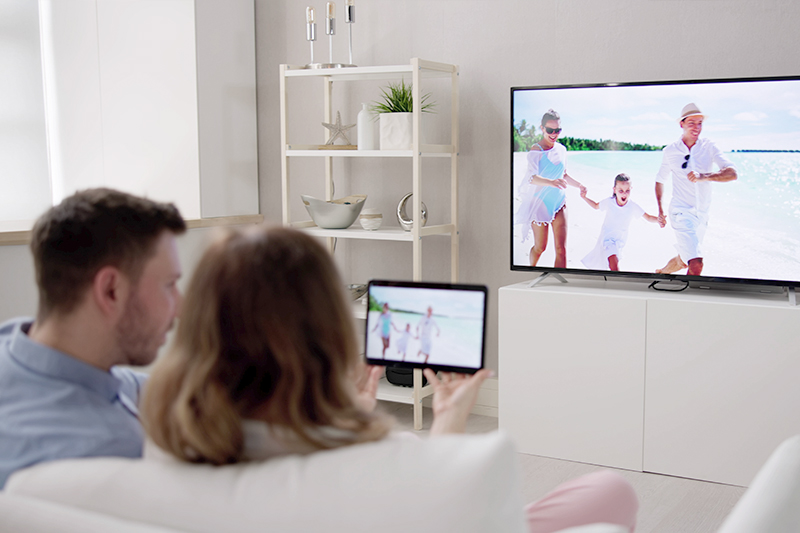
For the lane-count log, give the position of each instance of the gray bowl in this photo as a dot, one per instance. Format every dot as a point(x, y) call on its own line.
point(336, 214)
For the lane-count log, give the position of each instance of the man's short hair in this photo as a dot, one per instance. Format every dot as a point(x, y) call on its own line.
point(90, 230)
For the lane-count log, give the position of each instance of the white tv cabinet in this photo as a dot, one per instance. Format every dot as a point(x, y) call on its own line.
point(697, 384)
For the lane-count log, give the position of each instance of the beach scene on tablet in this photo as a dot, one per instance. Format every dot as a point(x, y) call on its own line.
point(425, 326)
point(711, 188)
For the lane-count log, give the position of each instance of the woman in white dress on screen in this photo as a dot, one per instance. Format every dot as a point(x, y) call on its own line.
point(543, 198)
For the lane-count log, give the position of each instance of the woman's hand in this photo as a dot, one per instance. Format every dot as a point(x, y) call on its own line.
point(560, 183)
point(367, 387)
point(453, 398)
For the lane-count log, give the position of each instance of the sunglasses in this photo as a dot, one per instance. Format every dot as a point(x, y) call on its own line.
point(686, 162)
point(552, 130)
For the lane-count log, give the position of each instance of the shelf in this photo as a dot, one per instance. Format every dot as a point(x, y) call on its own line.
point(414, 73)
point(394, 393)
point(428, 69)
point(311, 150)
point(360, 308)
point(387, 234)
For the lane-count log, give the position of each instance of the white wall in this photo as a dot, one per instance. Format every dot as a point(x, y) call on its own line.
point(18, 294)
point(226, 100)
point(499, 44)
point(23, 139)
point(154, 97)
point(121, 88)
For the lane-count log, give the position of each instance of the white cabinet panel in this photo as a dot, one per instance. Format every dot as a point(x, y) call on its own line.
point(572, 374)
point(697, 384)
point(722, 387)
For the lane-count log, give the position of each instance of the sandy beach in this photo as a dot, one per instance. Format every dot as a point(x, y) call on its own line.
point(459, 343)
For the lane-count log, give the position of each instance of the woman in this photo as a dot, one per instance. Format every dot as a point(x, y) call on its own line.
point(265, 363)
point(544, 202)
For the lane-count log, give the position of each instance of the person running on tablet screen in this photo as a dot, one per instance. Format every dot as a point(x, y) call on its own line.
point(402, 341)
point(424, 328)
point(386, 325)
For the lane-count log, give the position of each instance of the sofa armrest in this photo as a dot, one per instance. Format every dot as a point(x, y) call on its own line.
point(19, 514)
point(772, 503)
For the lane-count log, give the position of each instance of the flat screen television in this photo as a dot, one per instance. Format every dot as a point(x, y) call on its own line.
point(570, 213)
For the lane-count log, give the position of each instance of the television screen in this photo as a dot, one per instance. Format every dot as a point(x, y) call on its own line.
point(688, 180)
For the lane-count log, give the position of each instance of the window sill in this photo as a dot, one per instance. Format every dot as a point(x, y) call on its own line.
point(18, 232)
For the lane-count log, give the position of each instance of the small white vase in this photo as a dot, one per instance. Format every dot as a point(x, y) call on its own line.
point(366, 129)
point(370, 219)
point(397, 131)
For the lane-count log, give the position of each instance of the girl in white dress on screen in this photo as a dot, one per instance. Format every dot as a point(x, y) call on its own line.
point(402, 341)
point(620, 210)
point(543, 201)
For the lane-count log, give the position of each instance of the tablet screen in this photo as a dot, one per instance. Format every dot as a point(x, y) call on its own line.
point(436, 325)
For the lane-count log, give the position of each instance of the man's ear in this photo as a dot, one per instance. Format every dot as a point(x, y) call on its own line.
point(110, 291)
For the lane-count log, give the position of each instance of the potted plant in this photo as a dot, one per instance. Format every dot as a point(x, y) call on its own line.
point(395, 111)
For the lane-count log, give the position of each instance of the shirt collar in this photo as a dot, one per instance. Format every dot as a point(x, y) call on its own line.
point(51, 363)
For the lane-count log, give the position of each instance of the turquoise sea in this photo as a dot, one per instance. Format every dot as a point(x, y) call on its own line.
point(754, 226)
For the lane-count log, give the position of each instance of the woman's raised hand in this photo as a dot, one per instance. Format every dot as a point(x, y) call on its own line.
point(453, 398)
point(367, 387)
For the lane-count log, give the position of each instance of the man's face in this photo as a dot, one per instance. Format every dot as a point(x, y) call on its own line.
point(152, 307)
point(692, 126)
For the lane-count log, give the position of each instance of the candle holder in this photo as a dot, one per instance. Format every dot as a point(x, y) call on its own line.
point(311, 34)
point(330, 31)
point(350, 18)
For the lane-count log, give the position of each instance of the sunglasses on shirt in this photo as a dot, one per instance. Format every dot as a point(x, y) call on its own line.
point(555, 130)
point(686, 162)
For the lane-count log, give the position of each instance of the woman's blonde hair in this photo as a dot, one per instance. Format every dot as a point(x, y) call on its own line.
point(267, 333)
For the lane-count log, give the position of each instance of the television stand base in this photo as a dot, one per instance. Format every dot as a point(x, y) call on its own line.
point(792, 296)
point(535, 282)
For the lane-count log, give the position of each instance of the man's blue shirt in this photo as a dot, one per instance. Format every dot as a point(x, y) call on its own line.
point(53, 406)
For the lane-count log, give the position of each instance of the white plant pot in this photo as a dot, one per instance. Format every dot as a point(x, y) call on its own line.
point(397, 131)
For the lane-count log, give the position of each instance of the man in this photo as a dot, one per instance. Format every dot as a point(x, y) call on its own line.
point(424, 330)
point(106, 269)
point(690, 161)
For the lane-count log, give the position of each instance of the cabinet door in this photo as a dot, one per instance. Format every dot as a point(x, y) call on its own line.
point(571, 374)
point(722, 387)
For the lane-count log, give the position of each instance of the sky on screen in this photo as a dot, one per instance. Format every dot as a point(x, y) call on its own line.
point(761, 115)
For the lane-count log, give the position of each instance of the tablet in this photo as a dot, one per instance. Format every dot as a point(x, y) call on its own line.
point(426, 325)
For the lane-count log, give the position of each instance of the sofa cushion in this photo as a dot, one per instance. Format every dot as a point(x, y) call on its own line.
point(465, 483)
point(19, 514)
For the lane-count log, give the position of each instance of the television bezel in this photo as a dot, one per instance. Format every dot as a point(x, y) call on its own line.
point(627, 274)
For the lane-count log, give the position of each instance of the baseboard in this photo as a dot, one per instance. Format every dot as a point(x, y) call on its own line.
point(486, 404)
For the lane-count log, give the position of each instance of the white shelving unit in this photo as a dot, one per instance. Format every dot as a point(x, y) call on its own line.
point(417, 70)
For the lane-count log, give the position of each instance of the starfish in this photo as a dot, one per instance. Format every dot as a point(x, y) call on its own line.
point(337, 130)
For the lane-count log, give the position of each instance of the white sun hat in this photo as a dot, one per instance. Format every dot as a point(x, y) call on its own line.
point(690, 110)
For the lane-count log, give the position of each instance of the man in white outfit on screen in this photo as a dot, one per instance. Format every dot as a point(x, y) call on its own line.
point(690, 161)
point(424, 330)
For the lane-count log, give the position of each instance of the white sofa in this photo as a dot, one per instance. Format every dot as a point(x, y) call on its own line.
point(458, 483)
point(454, 483)
point(464, 483)
point(772, 502)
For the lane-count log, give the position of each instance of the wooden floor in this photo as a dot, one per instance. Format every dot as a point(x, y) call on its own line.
point(666, 504)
